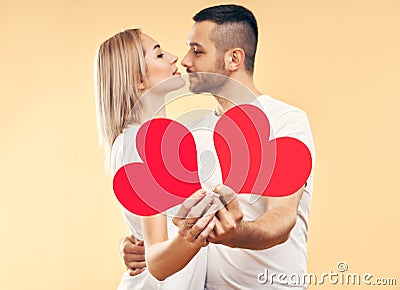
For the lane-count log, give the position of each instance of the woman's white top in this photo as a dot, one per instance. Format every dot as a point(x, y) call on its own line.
point(194, 274)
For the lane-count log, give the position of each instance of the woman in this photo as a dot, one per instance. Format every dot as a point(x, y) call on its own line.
point(131, 82)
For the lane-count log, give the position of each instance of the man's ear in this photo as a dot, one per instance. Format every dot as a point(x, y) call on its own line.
point(234, 59)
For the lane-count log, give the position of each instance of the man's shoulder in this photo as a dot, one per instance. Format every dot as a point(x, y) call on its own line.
point(287, 120)
point(277, 108)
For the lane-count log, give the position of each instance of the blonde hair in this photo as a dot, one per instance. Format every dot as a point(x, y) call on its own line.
point(119, 68)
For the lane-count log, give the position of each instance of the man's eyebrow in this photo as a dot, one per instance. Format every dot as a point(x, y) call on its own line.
point(194, 44)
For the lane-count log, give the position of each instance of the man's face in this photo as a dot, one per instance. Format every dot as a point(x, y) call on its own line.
point(203, 57)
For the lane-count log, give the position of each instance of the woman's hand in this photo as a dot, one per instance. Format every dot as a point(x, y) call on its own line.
point(196, 218)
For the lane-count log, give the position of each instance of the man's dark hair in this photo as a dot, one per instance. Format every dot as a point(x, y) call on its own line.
point(236, 27)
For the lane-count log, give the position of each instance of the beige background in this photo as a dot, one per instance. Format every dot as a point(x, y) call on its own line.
point(338, 60)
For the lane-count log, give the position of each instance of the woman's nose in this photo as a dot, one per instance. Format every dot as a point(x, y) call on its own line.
point(172, 58)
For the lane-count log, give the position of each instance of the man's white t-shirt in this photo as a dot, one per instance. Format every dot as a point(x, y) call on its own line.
point(234, 268)
point(190, 277)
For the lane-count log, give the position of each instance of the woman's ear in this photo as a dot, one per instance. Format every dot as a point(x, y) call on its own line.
point(234, 59)
point(141, 85)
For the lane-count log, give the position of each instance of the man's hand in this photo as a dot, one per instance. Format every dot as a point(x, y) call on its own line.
point(229, 217)
point(268, 230)
point(132, 251)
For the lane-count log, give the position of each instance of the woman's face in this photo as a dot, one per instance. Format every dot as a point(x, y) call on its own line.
point(160, 66)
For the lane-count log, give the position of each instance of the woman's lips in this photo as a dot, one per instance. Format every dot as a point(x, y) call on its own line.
point(176, 72)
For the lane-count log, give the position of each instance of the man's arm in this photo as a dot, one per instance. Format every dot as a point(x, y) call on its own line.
point(270, 229)
point(132, 252)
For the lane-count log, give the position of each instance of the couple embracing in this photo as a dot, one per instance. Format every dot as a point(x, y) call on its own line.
point(215, 240)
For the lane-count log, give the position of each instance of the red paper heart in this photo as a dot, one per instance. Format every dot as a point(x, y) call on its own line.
point(168, 174)
point(250, 163)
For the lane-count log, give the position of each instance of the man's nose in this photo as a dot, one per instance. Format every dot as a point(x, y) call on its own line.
point(186, 61)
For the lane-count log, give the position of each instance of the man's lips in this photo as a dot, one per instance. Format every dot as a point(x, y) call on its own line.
point(192, 74)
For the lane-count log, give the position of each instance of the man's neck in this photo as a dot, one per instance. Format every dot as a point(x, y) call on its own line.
point(240, 90)
point(223, 105)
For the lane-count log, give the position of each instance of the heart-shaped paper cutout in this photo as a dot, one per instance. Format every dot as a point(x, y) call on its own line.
point(251, 163)
point(168, 173)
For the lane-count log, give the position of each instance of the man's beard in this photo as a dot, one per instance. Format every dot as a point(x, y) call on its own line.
point(209, 82)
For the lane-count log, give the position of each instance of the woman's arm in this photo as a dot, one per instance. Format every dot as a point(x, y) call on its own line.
point(167, 256)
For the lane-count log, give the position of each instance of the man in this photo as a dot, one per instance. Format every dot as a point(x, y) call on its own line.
point(251, 243)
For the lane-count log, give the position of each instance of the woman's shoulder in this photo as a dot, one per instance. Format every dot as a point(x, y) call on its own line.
point(127, 135)
point(124, 150)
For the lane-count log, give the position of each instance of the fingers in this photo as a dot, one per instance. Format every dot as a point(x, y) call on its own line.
point(127, 247)
point(228, 217)
point(222, 214)
point(212, 210)
point(232, 205)
point(218, 229)
point(133, 254)
point(193, 233)
point(203, 222)
point(197, 218)
point(202, 206)
point(132, 238)
point(190, 202)
point(130, 248)
point(134, 272)
point(202, 237)
point(219, 204)
point(136, 265)
point(226, 194)
point(123, 245)
point(211, 235)
point(222, 231)
point(227, 221)
point(185, 225)
point(133, 258)
point(193, 213)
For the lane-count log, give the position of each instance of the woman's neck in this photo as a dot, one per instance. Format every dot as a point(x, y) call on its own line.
point(152, 106)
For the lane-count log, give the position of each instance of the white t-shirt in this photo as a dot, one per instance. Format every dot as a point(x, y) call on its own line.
point(229, 268)
point(190, 277)
point(234, 268)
